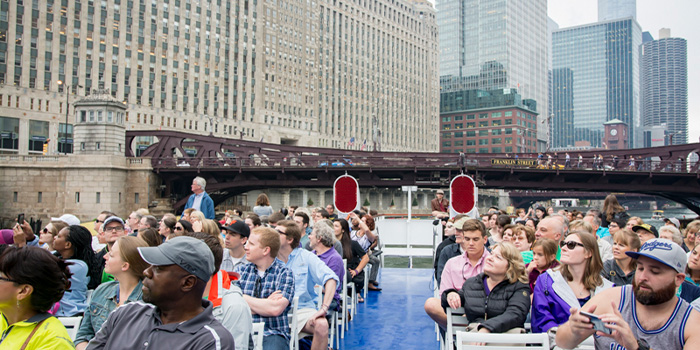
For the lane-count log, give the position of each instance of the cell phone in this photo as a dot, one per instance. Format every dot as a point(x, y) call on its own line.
point(598, 324)
point(20, 218)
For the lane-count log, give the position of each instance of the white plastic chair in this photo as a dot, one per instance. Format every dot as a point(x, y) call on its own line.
point(293, 336)
point(342, 316)
point(502, 341)
point(364, 290)
point(258, 332)
point(72, 324)
point(456, 322)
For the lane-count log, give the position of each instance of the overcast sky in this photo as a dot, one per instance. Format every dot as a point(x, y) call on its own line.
point(678, 15)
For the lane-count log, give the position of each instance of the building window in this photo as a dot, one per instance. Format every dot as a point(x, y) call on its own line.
point(77, 197)
point(14, 197)
point(120, 197)
point(39, 197)
point(38, 134)
point(136, 198)
point(65, 139)
point(82, 146)
point(97, 197)
point(9, 133)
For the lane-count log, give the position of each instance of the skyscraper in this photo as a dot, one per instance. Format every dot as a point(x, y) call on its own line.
point(664, 77)
point(616, 9)
point(595, 79)
point(495, 44)
point(309, 73)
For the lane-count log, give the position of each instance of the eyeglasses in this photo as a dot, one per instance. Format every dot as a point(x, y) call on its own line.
point(280, 232)
point(179, 228)
point(571, 245)
point(114, 229)
point(7, 279)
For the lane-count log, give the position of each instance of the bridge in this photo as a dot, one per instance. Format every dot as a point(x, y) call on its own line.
point(236, 166)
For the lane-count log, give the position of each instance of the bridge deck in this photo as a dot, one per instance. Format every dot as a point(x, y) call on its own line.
point(394, 318)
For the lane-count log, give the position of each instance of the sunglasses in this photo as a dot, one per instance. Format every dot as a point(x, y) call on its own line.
point(98, 220)
point(571, 245)
point(179, 228)
point(45, 230)
point(280, 232)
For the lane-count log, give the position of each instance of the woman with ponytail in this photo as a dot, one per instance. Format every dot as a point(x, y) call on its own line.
point(74, 244)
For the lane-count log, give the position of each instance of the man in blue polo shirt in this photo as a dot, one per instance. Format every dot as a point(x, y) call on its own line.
point(309, 271)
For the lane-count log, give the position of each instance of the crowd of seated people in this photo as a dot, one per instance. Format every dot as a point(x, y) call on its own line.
point(295, 254)
point(570, 261)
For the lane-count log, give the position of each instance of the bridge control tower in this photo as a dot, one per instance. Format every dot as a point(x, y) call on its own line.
point(100, 124)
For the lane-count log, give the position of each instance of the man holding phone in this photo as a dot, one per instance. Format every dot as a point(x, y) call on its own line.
point(645, 315)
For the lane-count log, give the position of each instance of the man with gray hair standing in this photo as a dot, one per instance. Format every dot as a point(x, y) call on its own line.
point(200, 200)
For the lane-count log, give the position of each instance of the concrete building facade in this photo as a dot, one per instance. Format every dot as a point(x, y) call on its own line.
point(313, 73)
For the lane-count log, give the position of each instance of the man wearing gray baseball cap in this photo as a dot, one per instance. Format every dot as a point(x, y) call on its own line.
point(646, 315)
point(178, 318)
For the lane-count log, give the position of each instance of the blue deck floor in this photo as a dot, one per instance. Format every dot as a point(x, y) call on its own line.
point(394, 318)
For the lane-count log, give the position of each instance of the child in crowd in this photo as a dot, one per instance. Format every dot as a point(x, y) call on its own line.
point(544, 257)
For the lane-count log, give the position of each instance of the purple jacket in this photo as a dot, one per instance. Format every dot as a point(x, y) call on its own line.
point(551, 300)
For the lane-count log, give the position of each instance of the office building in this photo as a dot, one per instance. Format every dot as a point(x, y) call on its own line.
point(664, 77)
point(495, 44)
point(312, 73)
point(495, 121)
point(609, 10)
point(595, 79)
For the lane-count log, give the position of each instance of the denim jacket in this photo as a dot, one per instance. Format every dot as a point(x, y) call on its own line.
point(104, 301)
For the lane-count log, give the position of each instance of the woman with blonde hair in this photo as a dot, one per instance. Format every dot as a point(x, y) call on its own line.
point(569, 286)
point(125, 263)
point(691, 234)
point(634, 221)
point(498, 299)
point(262, 206)
point(620, 269)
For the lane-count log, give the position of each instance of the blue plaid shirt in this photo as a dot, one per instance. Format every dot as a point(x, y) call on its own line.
point(277, 277)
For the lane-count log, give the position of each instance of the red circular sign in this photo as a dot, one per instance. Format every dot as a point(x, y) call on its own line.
point(345, 191)
point(462, 189)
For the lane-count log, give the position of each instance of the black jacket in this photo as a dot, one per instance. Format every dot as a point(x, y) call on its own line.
point(506, 307)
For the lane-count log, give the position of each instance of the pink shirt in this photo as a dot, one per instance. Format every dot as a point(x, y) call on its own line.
point(459, 269)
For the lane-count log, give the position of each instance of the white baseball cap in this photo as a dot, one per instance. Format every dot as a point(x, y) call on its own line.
point(69, 219)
